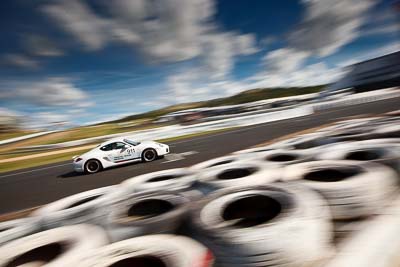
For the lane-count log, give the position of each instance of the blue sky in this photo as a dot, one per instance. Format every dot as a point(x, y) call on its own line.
point(85, 61)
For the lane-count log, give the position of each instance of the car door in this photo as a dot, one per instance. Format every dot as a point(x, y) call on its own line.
point(128, 152)
point(119, 152)
point(123, 152)
point(108, 152)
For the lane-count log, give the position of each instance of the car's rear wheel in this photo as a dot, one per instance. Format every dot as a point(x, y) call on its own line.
point(149, 154)
point(93, 166)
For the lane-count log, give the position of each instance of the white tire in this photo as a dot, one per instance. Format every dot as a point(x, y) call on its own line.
point(282, 157)
point(239, 174)
point(52, 248)
point(382, 141)
point(376, 243)
point(14, 229)
point(347, 228)
point(388, 131)
point(179, 179)
point(152, 250)
point(145, 213)
point(379, 153)
point(260, 149)
point(86, 207)
point(216, 162)
point(352, 134)
point(306, 141)
point(353, 189)
point(284, 224)
point(347, 124)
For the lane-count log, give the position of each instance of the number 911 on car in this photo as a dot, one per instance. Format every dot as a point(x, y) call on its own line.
point(117, 152)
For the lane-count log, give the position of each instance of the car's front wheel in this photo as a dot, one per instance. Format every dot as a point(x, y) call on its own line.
point(149, 154)
point(93, 166)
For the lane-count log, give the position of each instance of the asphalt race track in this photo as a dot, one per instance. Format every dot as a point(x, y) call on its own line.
point(37, 186)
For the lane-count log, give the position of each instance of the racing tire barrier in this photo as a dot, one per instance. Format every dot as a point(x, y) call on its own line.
point(353, 134)
point(142, 214)
point(376, 243)
point(86, 207)
point(353, 189)
point(281, 157)
point(216, 162)
point(152, 251)
point(276, 225)
point(379, 153)
point(344, 229)
point(388, 130)
point(52, 248)
point(238, 174)
point(14, 229)
point(306, 141)
point(178, 179)
point(265, 148)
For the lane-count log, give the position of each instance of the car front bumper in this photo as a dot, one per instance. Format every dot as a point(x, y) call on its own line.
point(78, 166)
point(164, 150)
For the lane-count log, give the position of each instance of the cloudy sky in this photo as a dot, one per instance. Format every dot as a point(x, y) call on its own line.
point(86, 61)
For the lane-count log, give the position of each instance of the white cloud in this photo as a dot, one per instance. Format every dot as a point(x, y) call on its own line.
point(50, 92)
point(382, 30)
point(96, 119)
point(20, 61)
point(220, 50)
point(185, 87)
point(284, 60)
point(46, 120)
point(163, 31)
point(168, 30)
point(192, 85)
point(314, 74)
point(326, 27)
point(329, 25)
point(6, 112)
point(76, 18)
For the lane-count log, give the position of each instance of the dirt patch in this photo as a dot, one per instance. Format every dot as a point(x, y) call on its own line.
point(17, 215)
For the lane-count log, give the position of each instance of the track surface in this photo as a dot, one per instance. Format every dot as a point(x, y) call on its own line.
point(37, 186)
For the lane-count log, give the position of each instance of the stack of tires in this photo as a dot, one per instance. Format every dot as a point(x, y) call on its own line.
point(277, 225)
point(284, 204)
point(147, 213)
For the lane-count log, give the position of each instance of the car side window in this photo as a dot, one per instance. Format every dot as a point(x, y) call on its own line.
point(108, 147)
point(113, 146)
point(118, 145)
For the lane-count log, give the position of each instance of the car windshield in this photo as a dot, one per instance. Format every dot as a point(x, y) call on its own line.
point(131, 142)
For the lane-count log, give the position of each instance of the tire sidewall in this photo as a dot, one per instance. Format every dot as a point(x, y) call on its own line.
point(144, 159)
point(97, 170)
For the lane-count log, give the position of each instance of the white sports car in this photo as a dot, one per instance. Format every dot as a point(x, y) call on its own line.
point(118, 151)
